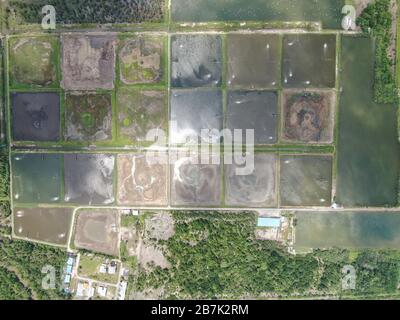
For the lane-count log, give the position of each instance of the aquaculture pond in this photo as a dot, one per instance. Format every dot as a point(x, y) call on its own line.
point(368, 149)
point(36, 178)
point(305, 180)
point(193, 111)
point(253, 60)
point(257, 189)
point(309, 61)
point(43, 224)
point(256, 110)
point(35, 116)
point(196, 60)
point(347, 230)
point(89, 178)
point(326, 11)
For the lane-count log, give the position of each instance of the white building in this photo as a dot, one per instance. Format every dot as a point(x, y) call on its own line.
point(84, 290)
point(122, 290)
point(102, 291)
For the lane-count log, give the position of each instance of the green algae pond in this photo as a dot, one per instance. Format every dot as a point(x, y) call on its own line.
point(353, 230)
point(368, 149)
point(326, 11)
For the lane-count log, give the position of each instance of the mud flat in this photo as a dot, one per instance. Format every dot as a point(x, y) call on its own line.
point(306, 180)
point(141, 59)
point(308, 116)
point(98, 230)
point(43, 224)
point(196, 60)
point(257, 189)
point(195, 184)
point(140, 111)
point(309, 61)
point(256, 110)
point(89, 178)
point(36, 116)
point(36, 178)
point(253, 60)
point(88, 62)
point(376, 230)
point(88, 116)
point(141, 180)
point(192, 111)
point(33, 61)
point(368, 147)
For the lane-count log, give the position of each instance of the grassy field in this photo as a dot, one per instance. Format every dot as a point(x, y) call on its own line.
point(34, 62)
point(89, 266)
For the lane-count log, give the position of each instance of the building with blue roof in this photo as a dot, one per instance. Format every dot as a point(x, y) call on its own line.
point(270, 222)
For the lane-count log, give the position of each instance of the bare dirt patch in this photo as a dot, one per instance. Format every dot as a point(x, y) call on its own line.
point(147, 294)
point(88, 62)
point(150, 256)
point(308, 116)
point(98, 230)
point(157, 226)
point(140, 60)
point(160, 226)
point(195, 184)
point(141, 181)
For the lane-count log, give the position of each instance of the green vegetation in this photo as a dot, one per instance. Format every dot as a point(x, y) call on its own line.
point(128, 221)
point(141, 60)
point(4, 176)
point(2, 94)
point(89, 266)
point(377, 19)
point(11, 288)
point(128, 260)
point(26, 261)
point(216, 255)
point(138, 112)
point(377, 272)
point(88, 11)
point(88, 116)
point(34, 62)
point(5, 218)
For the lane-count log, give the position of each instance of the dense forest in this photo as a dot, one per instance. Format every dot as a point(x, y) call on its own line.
point(4, 175)
point(25, 261)
point(377, 19)
point(215, 255)
point(89, 11)
point(5, 218)
point(11, 288)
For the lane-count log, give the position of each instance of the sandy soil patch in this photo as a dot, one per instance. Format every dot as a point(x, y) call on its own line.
point(88, 61)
